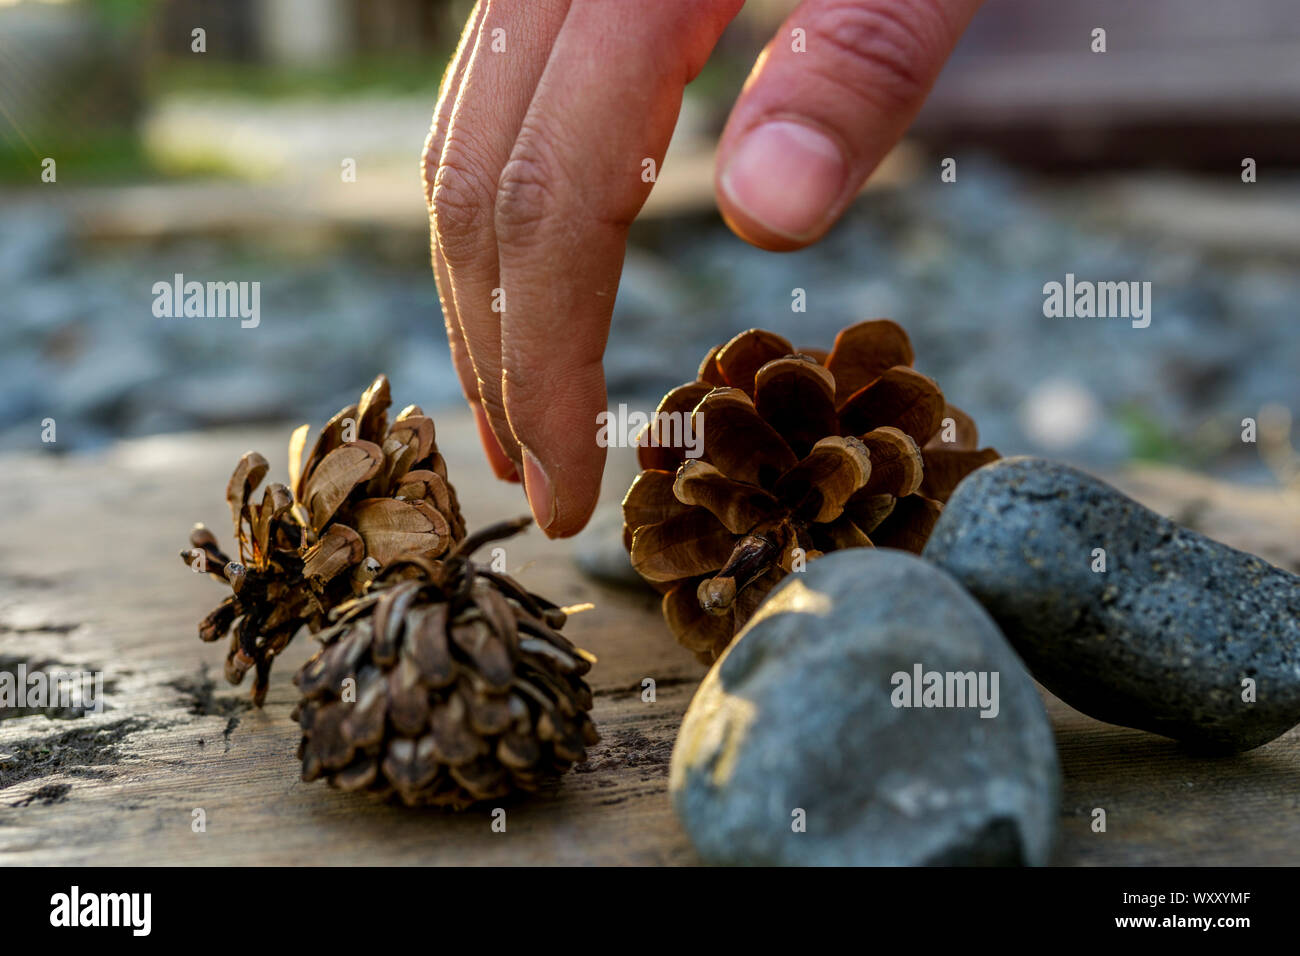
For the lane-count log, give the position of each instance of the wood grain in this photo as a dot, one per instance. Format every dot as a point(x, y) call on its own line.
point(89, 578)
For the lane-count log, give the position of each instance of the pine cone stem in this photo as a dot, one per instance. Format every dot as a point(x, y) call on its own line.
point(753, 556)
point(493, 532)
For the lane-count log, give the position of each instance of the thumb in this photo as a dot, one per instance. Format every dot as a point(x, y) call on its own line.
point(831, 94)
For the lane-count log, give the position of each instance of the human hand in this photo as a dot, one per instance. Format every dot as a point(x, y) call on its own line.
point(533, 175)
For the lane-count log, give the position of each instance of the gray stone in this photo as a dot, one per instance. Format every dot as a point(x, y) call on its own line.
point(799, 714)
point(1163, 640)
point(600, 553)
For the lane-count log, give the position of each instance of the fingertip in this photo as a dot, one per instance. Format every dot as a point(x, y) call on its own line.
point(754, 233)
point(540, 492)
point(573, 518)
point(556, 414)
point(782, 184)
point(560, 510)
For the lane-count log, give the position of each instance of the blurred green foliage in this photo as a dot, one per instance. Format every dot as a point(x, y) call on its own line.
point(108, 157)
point(1151, 440)
point(108, 149)
point(123, 14)
point(388, 74)
point(115, 154)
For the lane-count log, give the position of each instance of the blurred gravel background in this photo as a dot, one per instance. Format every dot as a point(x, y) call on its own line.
point(225, 165)
point(961, 266)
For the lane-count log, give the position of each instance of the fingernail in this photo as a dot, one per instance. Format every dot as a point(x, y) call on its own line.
point(541, 496)
point(499, 461)
point(785, 176)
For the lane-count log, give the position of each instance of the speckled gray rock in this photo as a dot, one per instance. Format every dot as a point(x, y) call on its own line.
point(1164, 639)
point(601, 555)
point(799, 715)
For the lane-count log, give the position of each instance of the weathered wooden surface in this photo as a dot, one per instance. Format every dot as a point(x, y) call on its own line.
point(89, 578)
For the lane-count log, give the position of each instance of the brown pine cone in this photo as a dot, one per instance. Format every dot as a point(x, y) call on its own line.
point(445, 684)
point(804, 452)
point(368, 493)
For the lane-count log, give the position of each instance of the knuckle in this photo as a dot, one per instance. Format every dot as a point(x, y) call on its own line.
point(429, 163)
point(525, 198)
point(892, 44)
point(461, 204)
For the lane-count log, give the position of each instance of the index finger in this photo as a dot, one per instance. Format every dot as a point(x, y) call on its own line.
point(565, 200)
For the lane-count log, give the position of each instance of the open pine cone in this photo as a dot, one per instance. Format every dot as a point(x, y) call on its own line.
point(804, 452)
point(444, 684)
point(368, 493)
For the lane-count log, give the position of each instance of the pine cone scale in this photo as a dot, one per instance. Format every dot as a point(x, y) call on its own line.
point(900, 397)
point(248, 474)
point(897, 467)
point(818, 487)
point(740, 359)
point(738, 441)
point(330, 437)
point(865, 351)
point(797, 397)
point(654, 447)
point(738, 505)
point(426, 643)
point(943, 469)
point(693, 542)
point(339, 472)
